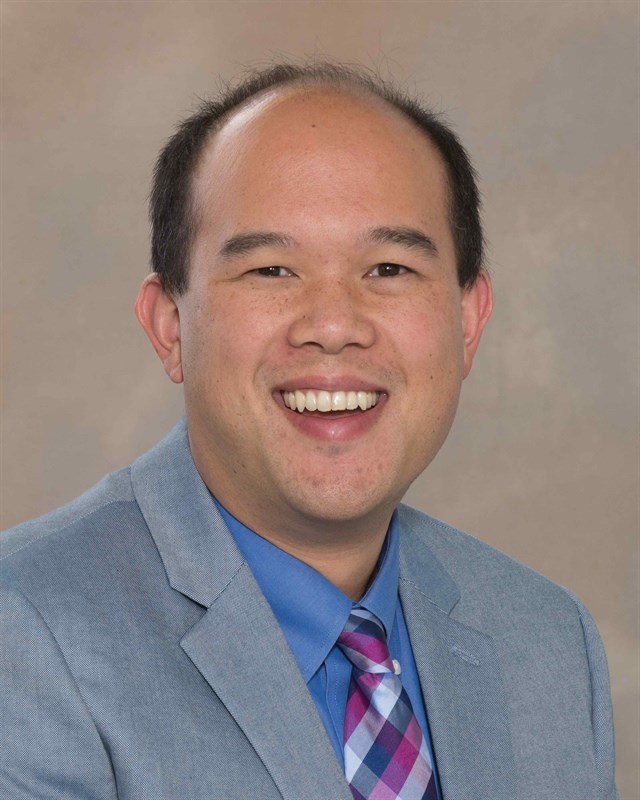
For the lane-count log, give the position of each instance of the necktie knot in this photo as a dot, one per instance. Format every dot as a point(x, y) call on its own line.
point(364, 643)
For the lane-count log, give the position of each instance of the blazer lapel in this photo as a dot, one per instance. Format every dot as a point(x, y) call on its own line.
point(461, 681)
point(241, 651)
point(237, 645)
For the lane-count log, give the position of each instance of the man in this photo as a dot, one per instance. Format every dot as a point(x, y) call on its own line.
point(247, 611)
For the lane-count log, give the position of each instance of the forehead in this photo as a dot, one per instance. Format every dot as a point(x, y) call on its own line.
point(320, 147)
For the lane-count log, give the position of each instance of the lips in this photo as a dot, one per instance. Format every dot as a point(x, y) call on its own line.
point(310, 400)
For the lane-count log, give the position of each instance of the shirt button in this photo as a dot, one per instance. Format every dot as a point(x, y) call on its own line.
point(396, 666)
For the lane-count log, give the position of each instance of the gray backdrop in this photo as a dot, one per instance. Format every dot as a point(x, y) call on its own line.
point(542, 461)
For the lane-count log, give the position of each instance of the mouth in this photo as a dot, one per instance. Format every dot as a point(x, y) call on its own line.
point(318, 400)
point(332, 410)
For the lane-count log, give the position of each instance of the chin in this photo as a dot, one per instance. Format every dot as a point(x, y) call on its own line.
point(339, 503)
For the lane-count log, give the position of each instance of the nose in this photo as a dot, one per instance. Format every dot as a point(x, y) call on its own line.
point(332, 316)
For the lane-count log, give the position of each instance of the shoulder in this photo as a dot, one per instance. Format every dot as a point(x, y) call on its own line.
point(113, 488)
point(547, 644)
point(64, 537)
point(102, 506)
point(491, 584)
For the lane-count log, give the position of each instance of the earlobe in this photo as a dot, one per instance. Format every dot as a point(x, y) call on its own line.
point(477, 304)
point(157, 312)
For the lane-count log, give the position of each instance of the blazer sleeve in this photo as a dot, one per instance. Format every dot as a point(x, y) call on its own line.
point(51, 748)
point(601, 708)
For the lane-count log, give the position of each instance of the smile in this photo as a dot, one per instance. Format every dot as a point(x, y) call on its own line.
point(319, 400)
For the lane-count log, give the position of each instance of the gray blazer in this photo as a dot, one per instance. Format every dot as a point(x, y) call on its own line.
point(141, 661)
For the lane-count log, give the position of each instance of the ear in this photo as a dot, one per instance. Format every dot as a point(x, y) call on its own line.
point(157, 312)
point(477, 304)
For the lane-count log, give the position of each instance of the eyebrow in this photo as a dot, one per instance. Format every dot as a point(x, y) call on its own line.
point(246, 242)
point(407, 237)
point(411, 238)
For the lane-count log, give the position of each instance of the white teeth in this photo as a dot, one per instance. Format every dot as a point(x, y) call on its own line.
point(319, 400)
point(338, 401)
point(323, 401)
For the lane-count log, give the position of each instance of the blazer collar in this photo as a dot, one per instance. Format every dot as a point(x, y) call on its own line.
point(419, 565)
point(198, 553)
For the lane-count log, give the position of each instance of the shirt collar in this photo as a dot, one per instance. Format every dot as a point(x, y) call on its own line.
point(310, 610)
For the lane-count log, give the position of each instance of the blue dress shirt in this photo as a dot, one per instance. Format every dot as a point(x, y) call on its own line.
point(312, 612)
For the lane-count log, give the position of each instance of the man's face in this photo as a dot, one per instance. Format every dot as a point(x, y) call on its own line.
point(323, 271)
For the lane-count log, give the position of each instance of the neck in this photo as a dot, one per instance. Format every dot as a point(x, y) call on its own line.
point(350, 567)
point(345, 552)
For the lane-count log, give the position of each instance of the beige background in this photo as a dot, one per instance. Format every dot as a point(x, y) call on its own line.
point(542, 461)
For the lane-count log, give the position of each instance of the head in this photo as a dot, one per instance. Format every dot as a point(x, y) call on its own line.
point(174, 216)
point(323, 324)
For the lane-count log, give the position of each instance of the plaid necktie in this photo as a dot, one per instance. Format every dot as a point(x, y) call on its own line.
point(385, 753)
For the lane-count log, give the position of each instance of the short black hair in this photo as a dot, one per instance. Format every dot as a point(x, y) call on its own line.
point(171, 206)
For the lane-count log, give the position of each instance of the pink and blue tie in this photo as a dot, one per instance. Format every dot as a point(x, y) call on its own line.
point(385, 754)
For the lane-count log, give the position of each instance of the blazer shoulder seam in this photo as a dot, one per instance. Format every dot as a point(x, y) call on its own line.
point(65, 525)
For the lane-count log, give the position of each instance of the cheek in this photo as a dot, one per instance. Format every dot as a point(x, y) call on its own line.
point(225, 339)
point(429, 340)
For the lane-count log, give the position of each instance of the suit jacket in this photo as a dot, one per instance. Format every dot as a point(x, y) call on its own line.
point(140, 660)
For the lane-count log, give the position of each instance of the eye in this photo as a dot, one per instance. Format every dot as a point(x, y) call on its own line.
point(273, 272)
point(387, 270)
